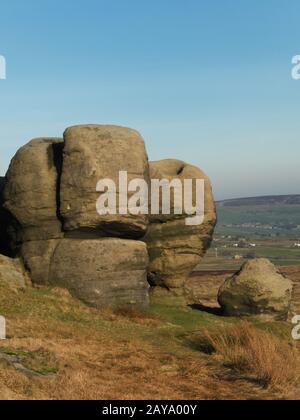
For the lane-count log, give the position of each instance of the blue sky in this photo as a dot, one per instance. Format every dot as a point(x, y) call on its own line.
point(208, 82)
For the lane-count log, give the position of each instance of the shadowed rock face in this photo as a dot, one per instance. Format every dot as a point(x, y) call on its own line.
point(175, 249)
point(4, 239)
point(257, 289)
point(94, 153)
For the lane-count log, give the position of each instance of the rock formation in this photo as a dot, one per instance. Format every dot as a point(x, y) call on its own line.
point(175, 249)
point(49, 201)
point(8, 227)
point(50, 190)
point(257, 289)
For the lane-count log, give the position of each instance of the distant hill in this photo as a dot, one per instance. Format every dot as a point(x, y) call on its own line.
point(266, 216)
point(261, 201)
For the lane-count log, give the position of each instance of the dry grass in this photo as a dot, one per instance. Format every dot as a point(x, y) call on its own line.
point(111, 354)
point(137, 315)
point(258, 355)
point(94, 366)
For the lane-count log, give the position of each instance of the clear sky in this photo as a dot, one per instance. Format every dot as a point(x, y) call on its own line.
point(208, 82)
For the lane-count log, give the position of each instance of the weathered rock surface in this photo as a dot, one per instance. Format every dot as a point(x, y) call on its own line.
point(93, 153)
point(175, 249)
point(12, 273)
point(9, 227)
point(50, 195)
point(37, 256)
point(257, 289)
point(30, 193)
point(102, 272)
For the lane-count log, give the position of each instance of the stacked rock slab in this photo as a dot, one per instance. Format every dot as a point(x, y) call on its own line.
point(104, 270)
point(94, 153)
point(51, 191)
point(101, 260)
point(257, 289)
point(175, 248)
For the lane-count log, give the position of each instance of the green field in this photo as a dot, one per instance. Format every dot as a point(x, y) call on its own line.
point(262, 220)
point(271, 223)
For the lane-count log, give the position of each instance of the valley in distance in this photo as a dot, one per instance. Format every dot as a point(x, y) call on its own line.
point(258, 227)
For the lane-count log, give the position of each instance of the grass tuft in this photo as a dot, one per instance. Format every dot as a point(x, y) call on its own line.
point(257, 355)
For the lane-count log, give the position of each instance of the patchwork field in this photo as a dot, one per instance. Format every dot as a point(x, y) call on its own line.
point(267, 227)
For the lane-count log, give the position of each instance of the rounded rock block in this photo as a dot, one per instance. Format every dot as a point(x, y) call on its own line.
point(258, 289)
point(93, 153)
point(106, 272)
point(30, 192)
point(175, 248)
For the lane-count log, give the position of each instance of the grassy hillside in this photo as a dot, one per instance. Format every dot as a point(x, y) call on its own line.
point(57, 348)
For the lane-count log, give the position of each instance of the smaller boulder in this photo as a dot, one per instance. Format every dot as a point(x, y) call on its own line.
point(12, 273)
point(257, 289)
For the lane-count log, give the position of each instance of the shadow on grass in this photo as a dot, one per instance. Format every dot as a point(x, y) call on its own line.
point(202, 308)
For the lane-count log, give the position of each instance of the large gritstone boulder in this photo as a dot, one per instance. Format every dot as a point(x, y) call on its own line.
point(77, 212)
point(257, 289)
point(93, 153)
point(175, 247)
point(30, 193)
point(102, 272)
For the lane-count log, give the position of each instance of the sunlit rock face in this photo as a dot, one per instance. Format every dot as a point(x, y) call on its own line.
point(257, 289)
point(176, 248)
point(50, 193)
point(48, 208)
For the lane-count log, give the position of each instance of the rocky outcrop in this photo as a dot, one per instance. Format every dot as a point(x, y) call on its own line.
point(51, 191)
point(175, 248)
point(12, 274)
point(102, 271)
point(93, 153)
point(257, 289)
point(30, 193)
